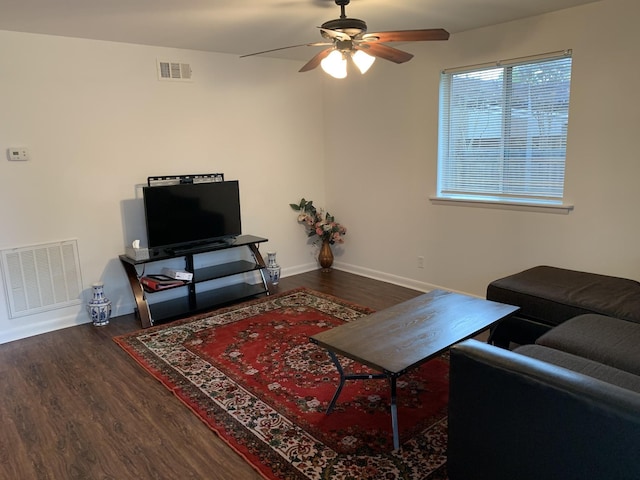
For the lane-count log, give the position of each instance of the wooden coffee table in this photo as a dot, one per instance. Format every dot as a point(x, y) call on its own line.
point(400, 338)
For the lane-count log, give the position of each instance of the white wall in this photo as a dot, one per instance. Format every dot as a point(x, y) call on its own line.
point(381, 169)
point(98, 122)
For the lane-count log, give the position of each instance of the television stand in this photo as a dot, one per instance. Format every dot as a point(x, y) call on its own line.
point(194, 298)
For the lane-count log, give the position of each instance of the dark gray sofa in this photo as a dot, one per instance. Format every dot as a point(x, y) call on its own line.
point(538, 413)
point(567, 405)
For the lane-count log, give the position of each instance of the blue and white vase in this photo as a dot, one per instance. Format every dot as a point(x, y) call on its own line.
point(273, 268)
point(99, 307)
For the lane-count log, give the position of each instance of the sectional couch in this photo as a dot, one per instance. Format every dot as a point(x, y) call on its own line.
point(563, 405)
point(548, 296)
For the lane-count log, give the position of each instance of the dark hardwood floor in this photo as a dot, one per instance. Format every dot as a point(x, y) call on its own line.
point(73, 405)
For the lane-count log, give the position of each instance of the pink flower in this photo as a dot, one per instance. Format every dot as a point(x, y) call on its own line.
point(319, 222)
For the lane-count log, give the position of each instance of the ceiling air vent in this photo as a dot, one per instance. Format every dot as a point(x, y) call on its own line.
point(174, 71)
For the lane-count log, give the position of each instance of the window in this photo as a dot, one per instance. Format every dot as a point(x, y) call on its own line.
point(503, 131)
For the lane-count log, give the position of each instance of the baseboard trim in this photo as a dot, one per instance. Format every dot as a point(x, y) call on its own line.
point(29, 330)
point(394, 279)
point(385, 277)
point(369, 273)
point(307, 267)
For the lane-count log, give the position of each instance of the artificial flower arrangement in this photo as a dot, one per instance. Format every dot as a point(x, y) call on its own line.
point(318, 222)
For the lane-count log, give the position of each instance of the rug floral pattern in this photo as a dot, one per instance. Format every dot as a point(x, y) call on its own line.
point(251, 374)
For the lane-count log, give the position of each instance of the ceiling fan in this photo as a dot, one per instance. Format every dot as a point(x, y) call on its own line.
point(347, 39)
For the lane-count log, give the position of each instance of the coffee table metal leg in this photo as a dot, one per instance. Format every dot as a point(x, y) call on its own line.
point(342, 379)
point(394, 414)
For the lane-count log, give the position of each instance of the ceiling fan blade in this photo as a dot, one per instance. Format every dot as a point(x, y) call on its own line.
point(407, 35)
point(315, 61)
point(317, 44)
point(386, 52)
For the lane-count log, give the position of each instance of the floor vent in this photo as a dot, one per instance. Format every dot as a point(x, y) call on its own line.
point(42, 277)
point(174, 71)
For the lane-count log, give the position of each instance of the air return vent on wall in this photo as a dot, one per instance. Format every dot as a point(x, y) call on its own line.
point(41, 277)
point(174, 71)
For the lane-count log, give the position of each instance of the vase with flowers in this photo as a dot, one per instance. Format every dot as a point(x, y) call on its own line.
point(322, 224)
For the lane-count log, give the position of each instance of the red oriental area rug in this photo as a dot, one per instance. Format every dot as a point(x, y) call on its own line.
point(251, 374)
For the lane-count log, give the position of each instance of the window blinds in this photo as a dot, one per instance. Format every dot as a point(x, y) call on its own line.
point(503, 129)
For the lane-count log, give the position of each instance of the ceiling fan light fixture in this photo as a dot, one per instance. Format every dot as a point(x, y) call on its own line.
point(335, 64)
point(363, 60)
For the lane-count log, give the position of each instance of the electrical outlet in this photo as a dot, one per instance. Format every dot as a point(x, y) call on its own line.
point(420, 262)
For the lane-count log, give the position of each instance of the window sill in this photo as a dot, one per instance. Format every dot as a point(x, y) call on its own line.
point(557, 208)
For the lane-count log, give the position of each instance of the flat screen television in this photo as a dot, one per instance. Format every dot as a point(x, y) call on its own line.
point(186, 216)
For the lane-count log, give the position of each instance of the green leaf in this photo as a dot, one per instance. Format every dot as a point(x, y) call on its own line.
point(294, 206)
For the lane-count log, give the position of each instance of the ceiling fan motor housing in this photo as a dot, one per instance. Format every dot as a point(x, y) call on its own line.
point(350, 26)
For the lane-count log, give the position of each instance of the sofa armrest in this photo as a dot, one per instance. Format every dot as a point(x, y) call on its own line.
point(515, 417)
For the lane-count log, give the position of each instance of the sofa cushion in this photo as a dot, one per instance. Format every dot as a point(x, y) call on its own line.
point(582, 365)
point(552, 295)
point(600, 338)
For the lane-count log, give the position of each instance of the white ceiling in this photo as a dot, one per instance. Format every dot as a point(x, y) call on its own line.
point(245, 26)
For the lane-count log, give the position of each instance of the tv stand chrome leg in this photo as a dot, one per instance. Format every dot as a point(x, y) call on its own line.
point(260, 261)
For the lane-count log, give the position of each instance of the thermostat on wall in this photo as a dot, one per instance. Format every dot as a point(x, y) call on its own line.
point(18, 154)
